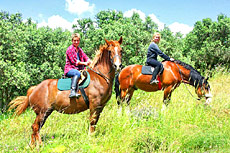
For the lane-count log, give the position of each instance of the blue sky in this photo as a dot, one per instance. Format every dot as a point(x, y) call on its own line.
point(178, 15)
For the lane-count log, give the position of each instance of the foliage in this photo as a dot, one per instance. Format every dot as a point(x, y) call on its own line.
point(29, 55)
point(209, 43)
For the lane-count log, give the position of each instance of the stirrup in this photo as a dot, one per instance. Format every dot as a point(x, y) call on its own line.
point(154, 81)
point(78, 95)
point(74, 94)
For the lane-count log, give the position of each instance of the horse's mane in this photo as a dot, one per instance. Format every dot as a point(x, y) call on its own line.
point(187, 66)
point(98, 55)
point(196, 79)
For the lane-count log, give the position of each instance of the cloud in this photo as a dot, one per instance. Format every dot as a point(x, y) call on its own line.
point(57, 21)
point(79, 6)
point(180, 27)
point(157, 21)
point(175, 27)
point(130, 13)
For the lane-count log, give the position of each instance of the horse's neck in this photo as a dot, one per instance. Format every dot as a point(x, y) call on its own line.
point(184, 73)
point(104, 66)
point(108, 71)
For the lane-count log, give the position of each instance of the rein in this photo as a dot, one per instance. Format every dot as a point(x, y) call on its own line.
point(101, 74)
point(185, 83)
point(108, 80)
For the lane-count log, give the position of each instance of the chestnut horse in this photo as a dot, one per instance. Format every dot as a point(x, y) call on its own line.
point(131, 78)
point(45, 97)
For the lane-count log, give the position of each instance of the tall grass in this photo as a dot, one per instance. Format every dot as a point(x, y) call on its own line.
point(185, 126)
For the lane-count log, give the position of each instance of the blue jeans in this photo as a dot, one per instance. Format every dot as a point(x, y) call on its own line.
point(154, 63)
point(73, 72)
point(157, 65)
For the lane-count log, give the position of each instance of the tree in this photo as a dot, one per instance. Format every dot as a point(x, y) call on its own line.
point(208, 43)
point(28, 55)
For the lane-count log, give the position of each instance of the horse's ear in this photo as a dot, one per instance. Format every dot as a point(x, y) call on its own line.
point(120, 41)
point(107, 42)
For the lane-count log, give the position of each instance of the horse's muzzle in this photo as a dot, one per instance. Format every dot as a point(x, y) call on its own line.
point(208, 98)
point(118, 68)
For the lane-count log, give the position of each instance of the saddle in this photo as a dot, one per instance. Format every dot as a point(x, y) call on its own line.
point(65, 82)
point(148, 70)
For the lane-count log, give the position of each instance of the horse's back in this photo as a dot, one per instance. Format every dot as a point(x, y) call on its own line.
point(132, 77)
point(129, 71)
point(44, 93)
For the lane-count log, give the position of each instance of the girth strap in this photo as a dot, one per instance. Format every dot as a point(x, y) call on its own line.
point(85, 97)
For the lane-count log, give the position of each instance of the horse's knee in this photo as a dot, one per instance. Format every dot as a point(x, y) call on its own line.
point(35, 127)
point(123, 94)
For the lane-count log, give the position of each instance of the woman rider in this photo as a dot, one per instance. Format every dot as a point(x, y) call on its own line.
point(76, 60)
point(153, 52)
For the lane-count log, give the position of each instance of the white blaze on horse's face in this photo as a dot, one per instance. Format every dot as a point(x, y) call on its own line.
point(117, 60)
point(208, 97)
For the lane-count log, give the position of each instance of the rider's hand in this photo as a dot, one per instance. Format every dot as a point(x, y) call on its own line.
point(172, 59)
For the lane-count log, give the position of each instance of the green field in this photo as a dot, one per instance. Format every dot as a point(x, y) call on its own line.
point(185, 126)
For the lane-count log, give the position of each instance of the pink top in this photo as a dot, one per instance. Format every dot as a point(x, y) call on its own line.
point(72, 59)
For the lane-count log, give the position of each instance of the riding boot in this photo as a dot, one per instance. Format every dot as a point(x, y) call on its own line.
point(74, 87)
point(154, 75)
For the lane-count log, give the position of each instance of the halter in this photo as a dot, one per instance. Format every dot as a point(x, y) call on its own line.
point(113, 58)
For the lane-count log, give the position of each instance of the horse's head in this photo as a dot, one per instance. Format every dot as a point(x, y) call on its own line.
point(203, 90)
point(194, 78)
point(115, 52)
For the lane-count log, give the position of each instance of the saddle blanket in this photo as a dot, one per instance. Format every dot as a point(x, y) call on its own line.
point(147, 69)
point(65, 84)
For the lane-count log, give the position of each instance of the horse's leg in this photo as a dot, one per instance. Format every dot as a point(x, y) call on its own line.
point(126, 96)
point(129, 96)
point(167, 97)
point(120, 100)
point(37, 125)
point(47, 114)
point(94, 116)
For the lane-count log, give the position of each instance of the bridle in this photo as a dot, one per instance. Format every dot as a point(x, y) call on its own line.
point(113, 59)
point(182, 80)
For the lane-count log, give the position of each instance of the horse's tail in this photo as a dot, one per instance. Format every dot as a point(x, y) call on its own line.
point(117, 86)
point(21, 103)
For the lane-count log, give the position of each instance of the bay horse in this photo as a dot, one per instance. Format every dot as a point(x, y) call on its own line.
point(45, 97)
point(130, 78)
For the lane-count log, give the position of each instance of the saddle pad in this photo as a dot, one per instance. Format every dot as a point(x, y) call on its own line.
point(65, 84)
point(147, 69)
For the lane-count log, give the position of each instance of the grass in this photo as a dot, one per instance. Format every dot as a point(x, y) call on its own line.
point(185, 126)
